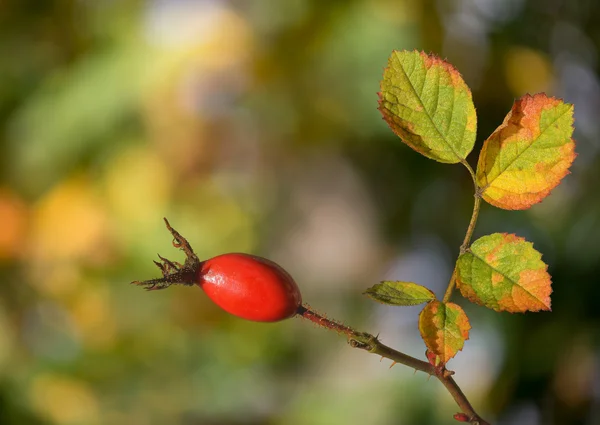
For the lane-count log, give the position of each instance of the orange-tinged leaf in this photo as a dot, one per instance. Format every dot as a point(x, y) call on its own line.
point(444, 328)
point(503, 272)
point(529, 154)
point(427, 104)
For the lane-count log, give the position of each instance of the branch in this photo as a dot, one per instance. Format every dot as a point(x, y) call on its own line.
point(370, 343)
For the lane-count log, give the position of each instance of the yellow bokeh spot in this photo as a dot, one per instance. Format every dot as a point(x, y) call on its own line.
point(93, 316)
point(138, 186)
point(69, 223)
point(527, 71)
point(64, 400)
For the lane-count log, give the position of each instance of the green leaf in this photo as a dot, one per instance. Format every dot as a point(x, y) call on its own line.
point(503, 272)
point(529, 154)
point(427, 104)
point(400, 293)
point(444, 328)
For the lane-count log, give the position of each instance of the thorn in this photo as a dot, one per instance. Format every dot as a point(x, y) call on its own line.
point(415, 372)
point(393, 364)
point(380, 359)
point(428, 378)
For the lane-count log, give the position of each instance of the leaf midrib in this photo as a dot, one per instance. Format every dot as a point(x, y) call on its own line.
point(447, 331)
point(425, 109)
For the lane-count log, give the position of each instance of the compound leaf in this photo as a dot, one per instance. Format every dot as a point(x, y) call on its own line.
point(529, 154)
point(428, 105)
point(444, 327)
point(503, 272)
point(400, 293)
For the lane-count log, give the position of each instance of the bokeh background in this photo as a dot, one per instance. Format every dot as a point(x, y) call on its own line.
point(252, 125)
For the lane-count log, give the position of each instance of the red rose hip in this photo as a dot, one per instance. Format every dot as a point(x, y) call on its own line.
point(244, 285)
point(250, 287)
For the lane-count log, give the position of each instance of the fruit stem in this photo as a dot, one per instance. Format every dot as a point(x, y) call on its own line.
point(371, 343)
point(305, 312)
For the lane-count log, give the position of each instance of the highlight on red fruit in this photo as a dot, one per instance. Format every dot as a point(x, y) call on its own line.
point(244, 285)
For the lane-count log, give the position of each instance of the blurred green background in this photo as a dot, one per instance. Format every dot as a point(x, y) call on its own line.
point(252, 126)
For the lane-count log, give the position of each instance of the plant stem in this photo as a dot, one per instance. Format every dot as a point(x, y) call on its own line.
point(307, 313)
point(451, 286)
point(370, 343)
point(470, 230)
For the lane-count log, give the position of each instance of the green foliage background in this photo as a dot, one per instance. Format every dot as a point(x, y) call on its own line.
point(253, 126)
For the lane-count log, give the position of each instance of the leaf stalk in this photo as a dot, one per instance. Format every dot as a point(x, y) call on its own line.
point(467, 240)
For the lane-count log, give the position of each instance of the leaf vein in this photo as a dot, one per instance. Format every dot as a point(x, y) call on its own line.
point(507, 277)
point(410, 83)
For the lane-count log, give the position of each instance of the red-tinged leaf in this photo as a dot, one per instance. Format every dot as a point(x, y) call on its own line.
point(529, 154)
point(432, 358)
point(444, 328)
point(400, 293)
point(427, 104)
point(461, 417)
point(503, 272)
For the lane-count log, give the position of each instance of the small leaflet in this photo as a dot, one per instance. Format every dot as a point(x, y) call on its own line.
point(505, 273)
point(400, 293)
point(444, 328)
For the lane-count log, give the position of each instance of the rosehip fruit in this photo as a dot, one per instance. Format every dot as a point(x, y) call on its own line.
point(250, 287)
point(244, 285)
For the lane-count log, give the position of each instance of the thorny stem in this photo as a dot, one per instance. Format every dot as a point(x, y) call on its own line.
point(185, 274)
point(370, 343)
point(307, 313)
point(470, 230)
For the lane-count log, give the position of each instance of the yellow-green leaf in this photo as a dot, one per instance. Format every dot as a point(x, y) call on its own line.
point(444, 328)
point(400, 293)
point(529, 154)
point(503, 272)
point(427, 104)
